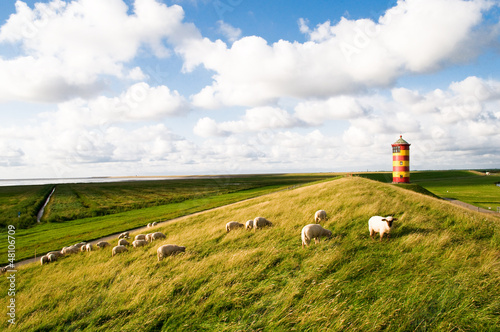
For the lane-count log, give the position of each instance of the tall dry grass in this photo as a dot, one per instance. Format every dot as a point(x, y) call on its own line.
point(439, 271)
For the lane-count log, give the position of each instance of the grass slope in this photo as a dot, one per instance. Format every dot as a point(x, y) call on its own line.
point(218, 192)
point(439, 271)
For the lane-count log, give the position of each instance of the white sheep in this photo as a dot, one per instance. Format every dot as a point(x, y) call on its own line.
point(260, 222)
point(154, 224)
point(83, 248)
point(79, 245)
point(149, 225)
point(124, 235)
point(102, 244)
point(140, 237)
point(157, 236)
point(118, 250)
point(313, 231)
point(139, 243)
point(380, 225)
point(44, 260)
point(70, 250)
point(52, 257)
point(56, 253)
point(249, 225)
point(88, 247)
point(319, 216)
point(123, 242)
point(148, 237)
point(168, 250)
point(233, 225)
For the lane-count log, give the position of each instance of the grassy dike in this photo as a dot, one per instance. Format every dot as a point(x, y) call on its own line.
point(440, 271)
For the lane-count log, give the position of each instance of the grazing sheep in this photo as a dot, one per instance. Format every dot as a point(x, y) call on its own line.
point(168, 250)
point(139, 243)
point(44, 260)
point(249, 225)
point(149, 225)
point(79, 245)
point(70, 250)
point(260, 222)
point(118, 250)
point(102, 244)
point(123, 242)
point(57, 253)
point(319, 216)
point(124, 235)
point(148, 237)
point(157, 236)
point(83, 248)
point(313, 231)
point(88, 247)
point(140, 237)
point(4, 269)
point(233, 225)
point(52, 257)
point(380, 225)
point(154, 224)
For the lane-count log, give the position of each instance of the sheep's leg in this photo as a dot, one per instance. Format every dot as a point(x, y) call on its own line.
point(372, 234)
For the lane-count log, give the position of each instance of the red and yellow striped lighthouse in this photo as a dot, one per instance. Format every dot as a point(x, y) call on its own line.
point(401, 161)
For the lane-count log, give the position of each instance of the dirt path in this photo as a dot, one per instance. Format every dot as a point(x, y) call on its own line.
point(143, 228)
point(470, 206)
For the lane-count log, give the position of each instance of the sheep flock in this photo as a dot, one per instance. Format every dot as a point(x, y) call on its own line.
point(376, 224)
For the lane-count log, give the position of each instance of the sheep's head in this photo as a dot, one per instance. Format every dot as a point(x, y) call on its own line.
point(389, 220)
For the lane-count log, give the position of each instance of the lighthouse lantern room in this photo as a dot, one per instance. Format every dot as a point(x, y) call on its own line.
point(401, 161)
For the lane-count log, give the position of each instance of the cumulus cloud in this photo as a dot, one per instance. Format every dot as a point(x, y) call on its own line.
point(335, 108)
point(350, 56)
point(67, 47)
point(254, 120)
point(231, 33)
point(140, 102)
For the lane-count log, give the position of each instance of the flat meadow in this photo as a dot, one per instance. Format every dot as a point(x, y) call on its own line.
point(439, 271)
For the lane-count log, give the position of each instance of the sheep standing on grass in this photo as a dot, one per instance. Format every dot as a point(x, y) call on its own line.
point(79, 245)
point(123, 242)
point(140, 237)
point(88, 247)
point(319, 216)
point(149, 225)
point(380, 225)
point(56, 253)
point(52, 258)
point(44, 260)
point(260, 222)
point(169, 250)
point(249, 225)
point(157, 236)
point(102, 244)
point(233, 225)
point(313, 231)
point(154, 223)
point(148, 237)
point(118, 250)
point(70, 250)
point(83, 248)
point(124, 235)
point(139, 243)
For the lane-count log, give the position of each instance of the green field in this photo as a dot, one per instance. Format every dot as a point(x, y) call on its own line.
point(467, 186)
point(439, 271)
point(142, 203)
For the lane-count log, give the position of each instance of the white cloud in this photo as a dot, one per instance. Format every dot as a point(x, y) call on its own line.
point(139, 102)
point(412, 37)
point(66, 48)
point(318, 111)
point(254, 120)
point(227, 30)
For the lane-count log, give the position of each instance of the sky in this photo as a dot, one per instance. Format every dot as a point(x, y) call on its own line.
point(176, 87)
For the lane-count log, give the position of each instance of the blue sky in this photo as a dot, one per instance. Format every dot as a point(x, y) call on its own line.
point(149, 87)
